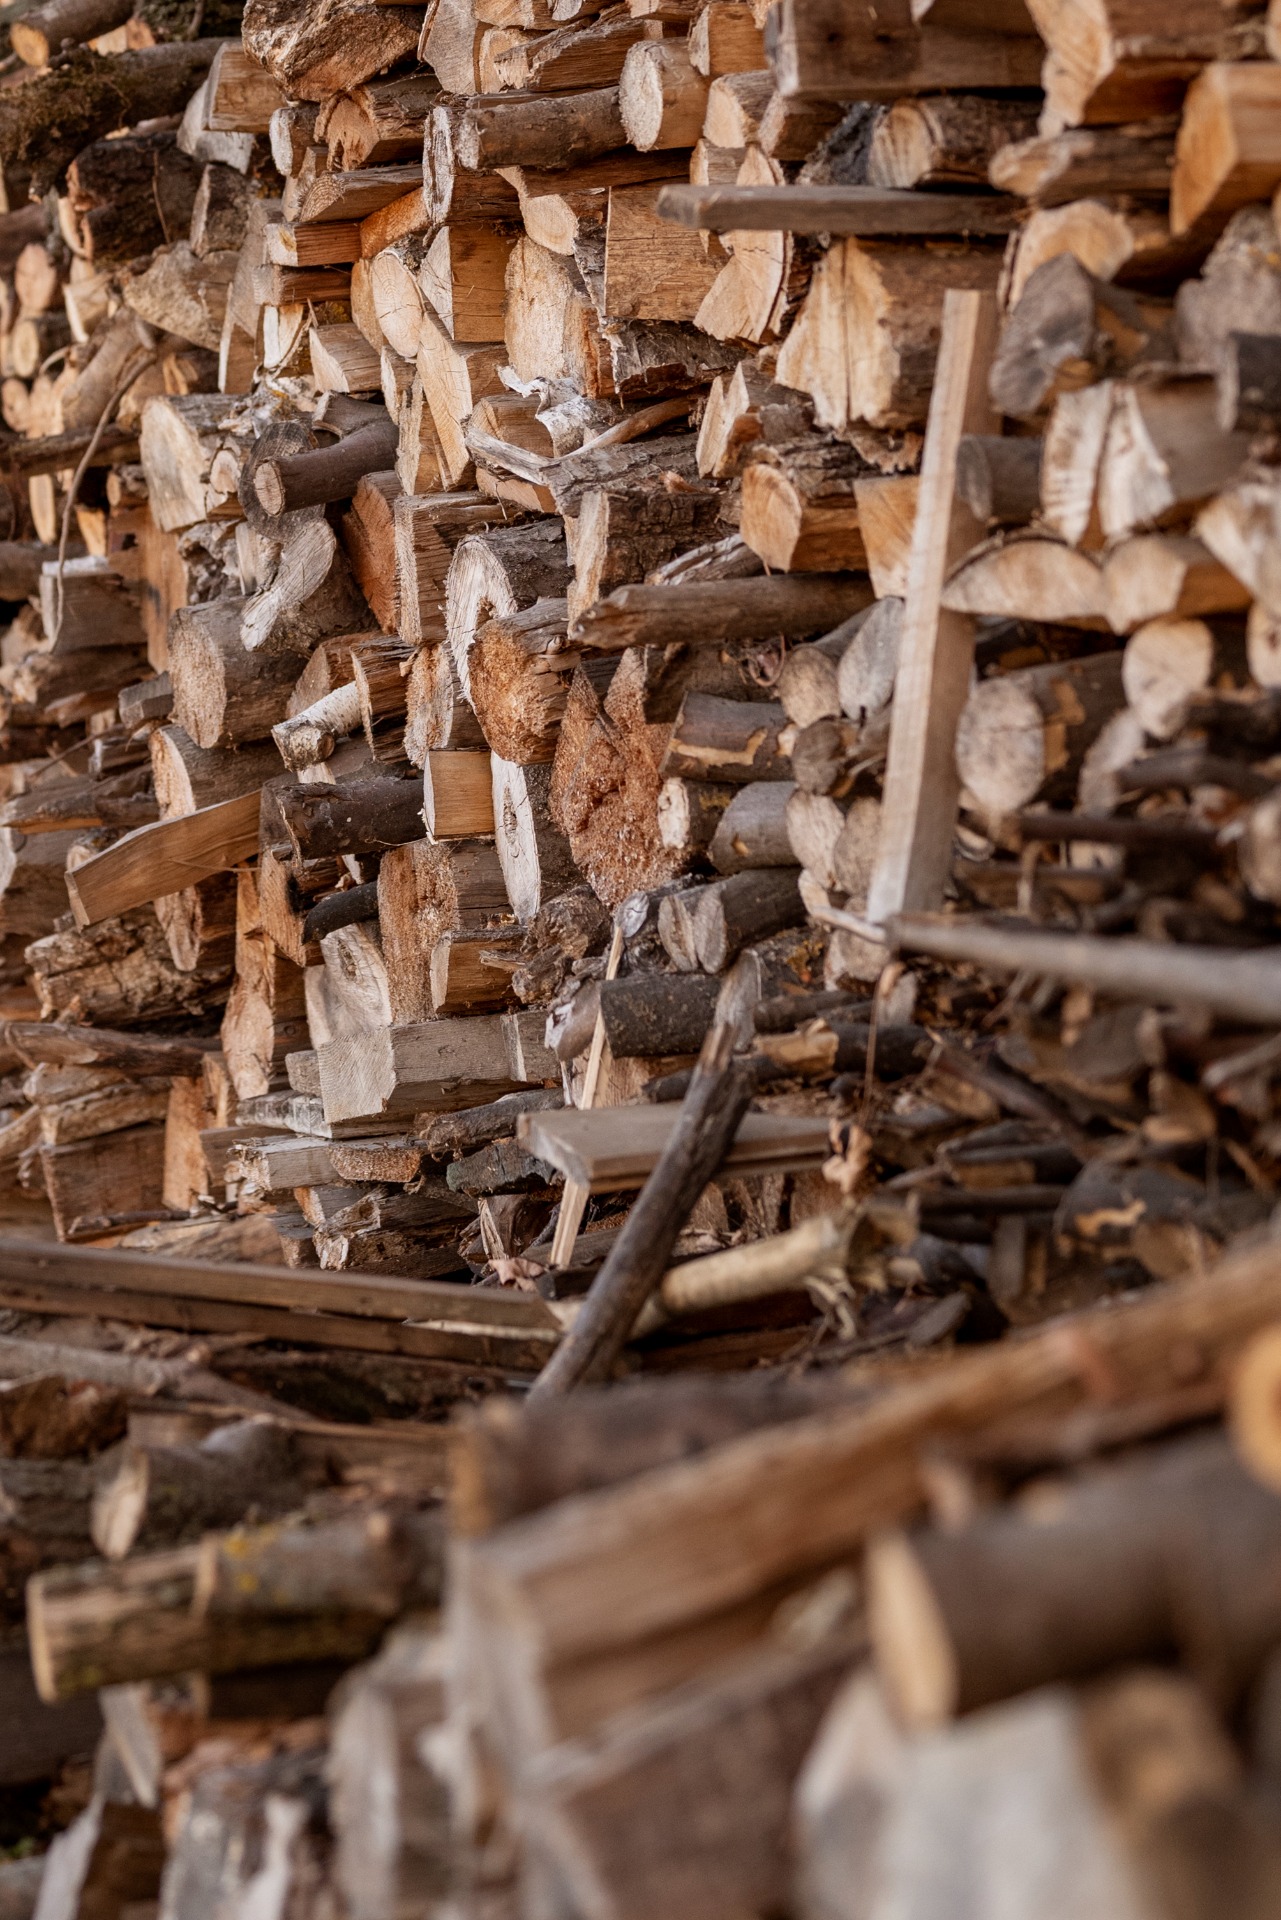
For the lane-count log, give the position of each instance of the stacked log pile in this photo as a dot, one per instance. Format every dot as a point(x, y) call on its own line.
point(639, 849)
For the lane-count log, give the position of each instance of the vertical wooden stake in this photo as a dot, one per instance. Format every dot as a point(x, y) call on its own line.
point(918, 814)
point(573, 1203)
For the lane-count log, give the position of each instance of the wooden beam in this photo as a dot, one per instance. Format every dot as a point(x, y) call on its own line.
point(164, 857)
point(859, 211)
point(1236, 986)
point(371, 1296)
point(921, 788)
point(613, 1148)
point(378, 1314)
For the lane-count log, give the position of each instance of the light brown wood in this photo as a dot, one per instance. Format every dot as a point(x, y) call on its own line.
point(163, 858)
point(1227, 153)
point(936, 647)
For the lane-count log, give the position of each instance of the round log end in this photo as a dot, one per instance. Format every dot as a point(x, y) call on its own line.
point(270, 488)
point(30, 43)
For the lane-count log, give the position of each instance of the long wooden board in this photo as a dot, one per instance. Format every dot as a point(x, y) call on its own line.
point(860, 211)
point(937, 650)
point(614, 1148)
point(164, 857)
point(374, 1296)
point(460, 1343)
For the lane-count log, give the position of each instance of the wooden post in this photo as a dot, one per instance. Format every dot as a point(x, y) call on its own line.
point(921, 789)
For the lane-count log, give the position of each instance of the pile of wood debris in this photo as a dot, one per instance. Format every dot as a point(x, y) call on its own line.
point(639, 842)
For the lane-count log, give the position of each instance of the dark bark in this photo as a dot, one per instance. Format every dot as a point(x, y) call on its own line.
point(341, 910)
point(1250, 383)
point(362, 816)
point(999, 479)
point(51, 119)
point(658, 1013)
point(326, 473)
point(732, 913)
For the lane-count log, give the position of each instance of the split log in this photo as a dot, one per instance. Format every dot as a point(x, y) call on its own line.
point(868, 291)
point(132, 194)
point(1168, 662)
point(690, 811)
point(1055, 168)
point(662, 96)
point(458, 801)
point(535, 856)
point(947, 140)
point(498, 573)
point(519, 680)
point(311, 597)
point(1166, 576)
point(1164, 453)
point(188, 778)
point(1226, 155)
point(1024, 734)
point(432, 1067)
point(428, 531)
point(799, 510)
point(331, 49)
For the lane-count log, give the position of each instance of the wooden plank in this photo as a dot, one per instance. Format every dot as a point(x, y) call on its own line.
point(164, 857)
point(921, 789)
point(374, 1296)
point(614, 1148)
point(859, 211)
point(456, 1341)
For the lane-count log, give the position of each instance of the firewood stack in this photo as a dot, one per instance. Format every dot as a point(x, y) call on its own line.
point(640, 738)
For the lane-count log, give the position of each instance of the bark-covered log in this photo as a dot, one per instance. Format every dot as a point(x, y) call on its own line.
point(361, 816)
point(51, 119)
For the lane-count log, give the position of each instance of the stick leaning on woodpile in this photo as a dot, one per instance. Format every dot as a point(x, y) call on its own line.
point(639, 731)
